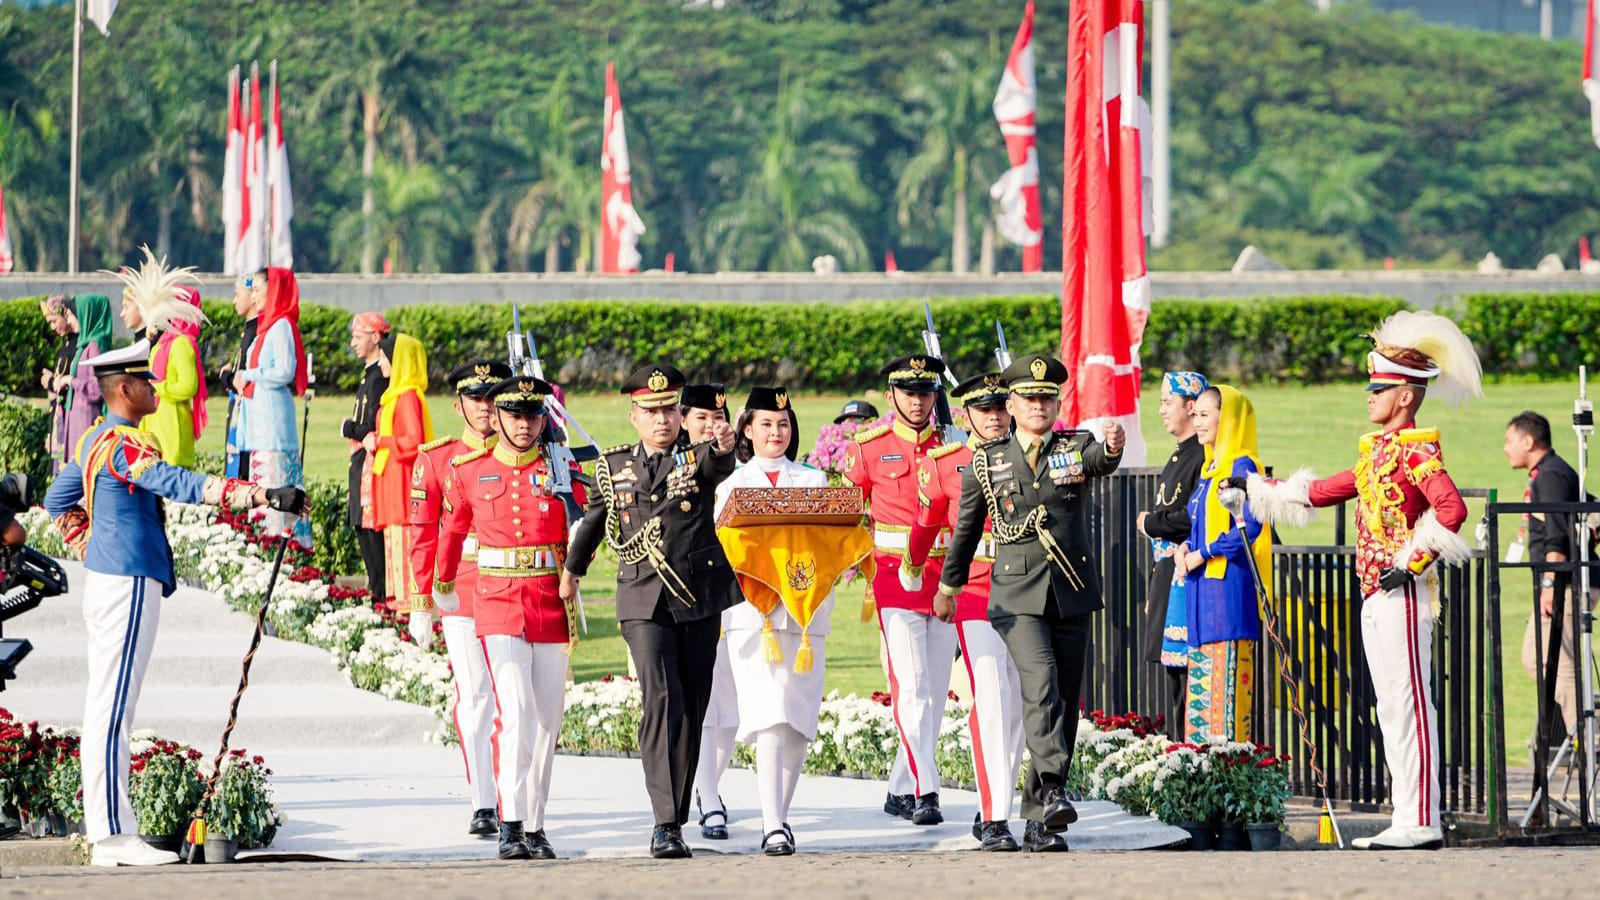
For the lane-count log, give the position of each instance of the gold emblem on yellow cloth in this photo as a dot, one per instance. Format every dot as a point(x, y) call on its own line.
point(802, 572)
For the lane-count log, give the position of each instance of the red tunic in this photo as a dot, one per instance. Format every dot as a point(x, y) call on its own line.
point(884, 464)
point(390, 503)
point(428, 477)
point(939, 500)
point(521, 525)
point(1399, 477)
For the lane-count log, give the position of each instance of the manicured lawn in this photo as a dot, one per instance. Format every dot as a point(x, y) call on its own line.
point(1300, 426)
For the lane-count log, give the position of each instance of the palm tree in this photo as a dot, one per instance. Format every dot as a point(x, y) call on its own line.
point(385, 83)
point(415, 218)
point(800, 198)
point(545, 192)
point(957, 150)
point(34, 206)
point(1336, 197)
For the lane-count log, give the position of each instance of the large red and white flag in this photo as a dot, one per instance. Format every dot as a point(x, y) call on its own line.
point(620, 225)
point(253, 187)
point(231, 179)
point(6, 260)
point(1105, 290)
point(280, 208)
point(1591, 87)
point(1020, 219)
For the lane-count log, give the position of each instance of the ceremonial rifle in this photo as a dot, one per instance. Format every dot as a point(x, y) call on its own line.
point(942, 413)
point(1002, 353)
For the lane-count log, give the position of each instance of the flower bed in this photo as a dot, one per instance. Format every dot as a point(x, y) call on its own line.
point(41, 783)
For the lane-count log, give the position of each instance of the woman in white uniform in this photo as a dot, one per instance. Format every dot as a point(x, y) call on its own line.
point(778, 706)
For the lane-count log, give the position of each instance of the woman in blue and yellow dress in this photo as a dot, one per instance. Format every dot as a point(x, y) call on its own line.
point(1224, 619)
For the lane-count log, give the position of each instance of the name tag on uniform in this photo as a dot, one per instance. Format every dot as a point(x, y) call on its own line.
point(960, 469)
point(485, 479)
point(890, 457)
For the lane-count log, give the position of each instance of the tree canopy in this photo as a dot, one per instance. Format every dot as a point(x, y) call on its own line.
point(466, 136)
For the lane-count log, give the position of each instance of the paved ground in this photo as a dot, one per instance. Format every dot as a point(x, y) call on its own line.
point(1454, 874)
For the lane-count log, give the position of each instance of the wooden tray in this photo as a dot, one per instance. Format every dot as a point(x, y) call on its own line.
point(792, 506)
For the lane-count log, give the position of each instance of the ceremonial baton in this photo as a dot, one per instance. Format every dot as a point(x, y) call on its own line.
point(195, 835)
point(1232, 500)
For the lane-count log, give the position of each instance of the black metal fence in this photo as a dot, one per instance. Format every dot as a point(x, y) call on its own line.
point(1317, 599)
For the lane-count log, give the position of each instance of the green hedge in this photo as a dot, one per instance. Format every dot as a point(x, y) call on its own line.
point(24, 426)
point(1542, 334)
point(26, 344)
point(839, 346)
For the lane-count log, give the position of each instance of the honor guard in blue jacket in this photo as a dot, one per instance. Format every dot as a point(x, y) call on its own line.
point(107, 504)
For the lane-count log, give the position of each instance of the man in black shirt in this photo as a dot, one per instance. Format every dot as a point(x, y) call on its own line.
point(1167, 525)
point(366, 332)
point(1547, 537)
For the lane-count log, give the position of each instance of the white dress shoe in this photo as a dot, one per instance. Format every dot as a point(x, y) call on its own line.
point(1402, 837)
point(128, 850)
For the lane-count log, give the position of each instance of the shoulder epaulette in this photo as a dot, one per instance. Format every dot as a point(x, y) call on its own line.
point(861, 437)
point(620, 448)
point(993, 442)
point(469, 456)
point(944, 450)
point(436, 443)
point(1418, 435)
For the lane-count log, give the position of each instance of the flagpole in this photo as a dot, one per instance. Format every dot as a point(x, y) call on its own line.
point(269, 163)
point(1161, 120)
point(77, 77)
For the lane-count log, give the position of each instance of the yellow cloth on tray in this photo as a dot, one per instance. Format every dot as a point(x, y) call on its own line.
point(795, 565)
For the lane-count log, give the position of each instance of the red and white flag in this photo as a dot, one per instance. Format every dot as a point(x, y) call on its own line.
point(280, 208)
point(1105, 290)
point(1020, 219)
point(6, 260)
point(1591, 87)
point(620, 225)
point(231, 179)
point(253, 187)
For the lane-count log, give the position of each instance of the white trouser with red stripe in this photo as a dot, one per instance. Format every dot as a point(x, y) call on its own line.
point(530, 693)
point(995, 721)
point(121, 613)
point(473, 710)
point(1397, 630)
point(921, 651)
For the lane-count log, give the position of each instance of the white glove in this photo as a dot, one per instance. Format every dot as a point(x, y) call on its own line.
point(911, 583)
point(447, 602)
point(422, 627)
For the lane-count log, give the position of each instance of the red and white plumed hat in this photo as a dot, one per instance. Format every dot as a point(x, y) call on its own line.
point(1415, 348)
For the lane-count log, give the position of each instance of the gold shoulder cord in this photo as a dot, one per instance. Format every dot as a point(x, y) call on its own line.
point(645, 544)
point(1032, 525)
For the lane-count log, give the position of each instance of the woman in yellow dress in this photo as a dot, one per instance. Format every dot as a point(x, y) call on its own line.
point(155, 300)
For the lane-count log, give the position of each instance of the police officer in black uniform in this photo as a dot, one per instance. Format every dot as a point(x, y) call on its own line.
point(653, 501)
point(1033, 486)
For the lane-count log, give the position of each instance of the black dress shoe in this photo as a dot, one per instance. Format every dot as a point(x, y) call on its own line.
point(538, 845)
point(1035, 839)
point(977, 826)
point(1058, 811)
point(778, 843)
point(513, 843)
point(715, 831)
point(484, 822)
point(900, 805)
point(927, 812)
point(996, 838)
point(667, 843)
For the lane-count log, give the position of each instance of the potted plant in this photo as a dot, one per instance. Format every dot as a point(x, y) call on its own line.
point(1184, 795)
point(241, 812)
point(22, 771)
point(165, 789)
point(63, 785)
point(1232, 765)
point(1261, 804)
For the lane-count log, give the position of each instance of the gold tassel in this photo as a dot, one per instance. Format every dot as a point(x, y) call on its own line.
point(769, 643)
point(1325, 826)
point(869, 605)
point(802, 657)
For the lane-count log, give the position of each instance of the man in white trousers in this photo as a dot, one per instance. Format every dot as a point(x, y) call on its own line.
point(473, 709)
point(107, 504)
point(1407, 514)
point(511, 496)
point(995, 721)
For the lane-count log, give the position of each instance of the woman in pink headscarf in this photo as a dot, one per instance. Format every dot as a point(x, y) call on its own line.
point(155, 300)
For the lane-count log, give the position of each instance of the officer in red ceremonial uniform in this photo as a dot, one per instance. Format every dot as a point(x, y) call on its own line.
point(473, 709)
point(1408, 511)
point(995, 721)
point(509, 495)
point(921, 648)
